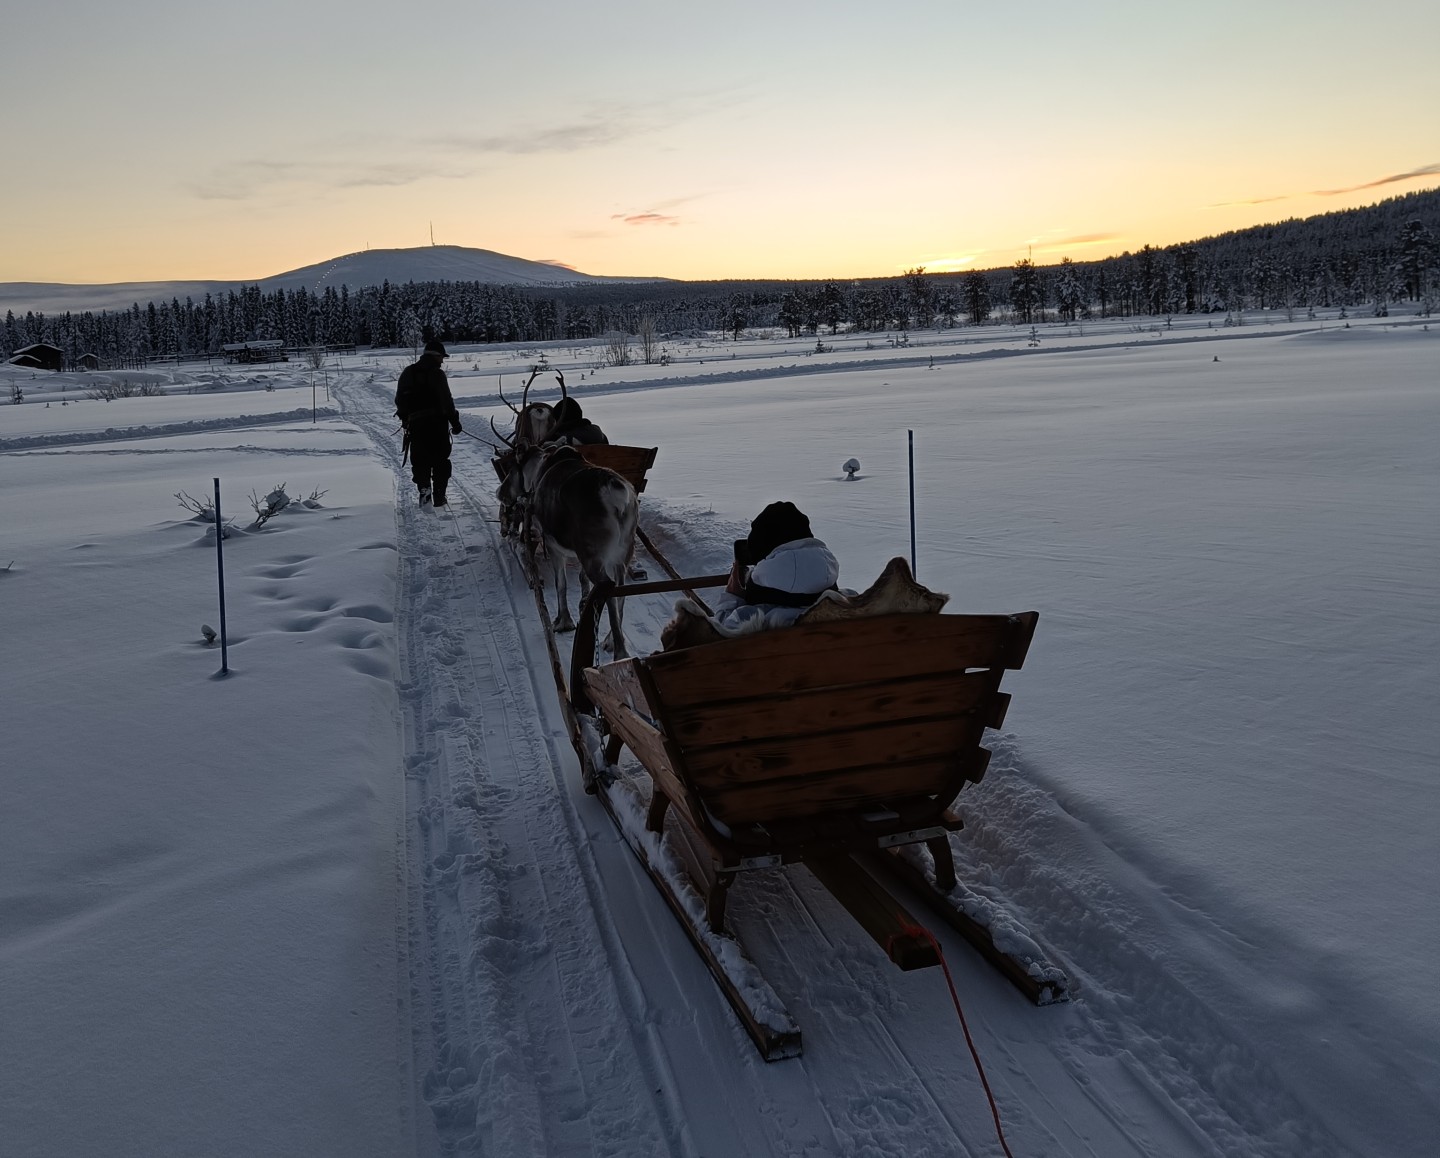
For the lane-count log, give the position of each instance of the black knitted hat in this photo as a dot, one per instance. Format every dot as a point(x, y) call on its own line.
point(778, 523)
point(435, 346)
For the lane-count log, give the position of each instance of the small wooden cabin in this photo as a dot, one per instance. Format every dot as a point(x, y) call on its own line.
point(40, 356)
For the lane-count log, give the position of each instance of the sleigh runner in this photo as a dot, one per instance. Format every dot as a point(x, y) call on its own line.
point(836, 744)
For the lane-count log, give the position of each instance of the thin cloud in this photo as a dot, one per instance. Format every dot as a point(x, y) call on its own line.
point(570, 138)
point(949, 264)
point(1078, 241)
point(602, 125)
point(1413, 174)
point(645, 218)
point(1248, 201)
point(250, 179)
point(1423, 171)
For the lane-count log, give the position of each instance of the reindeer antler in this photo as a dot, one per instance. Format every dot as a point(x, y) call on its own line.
point(561, 377)
point(500, 378)
point(507, 441)
point(534, 373)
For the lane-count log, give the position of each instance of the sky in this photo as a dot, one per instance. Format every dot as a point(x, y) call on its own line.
point(163, 141)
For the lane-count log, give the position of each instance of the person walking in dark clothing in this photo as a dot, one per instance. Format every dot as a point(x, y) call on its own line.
point(427, 412)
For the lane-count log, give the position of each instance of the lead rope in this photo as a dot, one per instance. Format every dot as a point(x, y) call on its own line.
point(925, 934)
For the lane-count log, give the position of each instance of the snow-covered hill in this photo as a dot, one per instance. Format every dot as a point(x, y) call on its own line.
point(366, 268)
point(429, 263)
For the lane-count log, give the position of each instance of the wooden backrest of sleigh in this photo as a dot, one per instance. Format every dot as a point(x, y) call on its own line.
point(815, 743)
point(632, 463)
point(805, 736)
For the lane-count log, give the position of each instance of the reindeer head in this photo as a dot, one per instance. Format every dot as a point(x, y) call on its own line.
point(533, 420)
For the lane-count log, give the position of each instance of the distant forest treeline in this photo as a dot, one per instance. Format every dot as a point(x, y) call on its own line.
point(1353, 258)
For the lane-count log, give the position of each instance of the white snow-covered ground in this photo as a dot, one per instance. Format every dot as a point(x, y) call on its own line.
point(351, 899)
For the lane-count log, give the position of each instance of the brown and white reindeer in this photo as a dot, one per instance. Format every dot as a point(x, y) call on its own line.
point(533, 421)
point(581, 512)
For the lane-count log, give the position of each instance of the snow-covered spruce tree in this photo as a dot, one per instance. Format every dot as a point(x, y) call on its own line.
point(977, 297)
point(1024, 290)
point(1069, 295)
point(1417, 256)
point(790, 314)
point(919, 297)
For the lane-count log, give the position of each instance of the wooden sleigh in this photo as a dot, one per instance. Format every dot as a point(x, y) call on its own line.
point(631, 463)
point(834, 744)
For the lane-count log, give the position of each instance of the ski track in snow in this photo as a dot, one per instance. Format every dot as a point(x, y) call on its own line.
point(521, 1048)
point(548, 1021)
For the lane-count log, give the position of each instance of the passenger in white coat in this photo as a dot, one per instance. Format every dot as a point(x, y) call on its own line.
point(779, 571)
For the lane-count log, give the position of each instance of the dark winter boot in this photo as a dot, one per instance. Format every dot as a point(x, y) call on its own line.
point(439, 499)
point(425, 496)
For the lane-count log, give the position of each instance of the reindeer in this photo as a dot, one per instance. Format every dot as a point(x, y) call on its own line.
point(532, 423)
point(532, 419)
point(583, 512)
point(534, 426)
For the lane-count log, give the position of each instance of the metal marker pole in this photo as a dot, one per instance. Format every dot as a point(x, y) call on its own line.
point(911, 433)
point(220, 570)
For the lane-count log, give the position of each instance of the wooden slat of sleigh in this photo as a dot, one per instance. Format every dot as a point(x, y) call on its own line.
point(631, 462)
point(945, 739)
point(806, 657)
point(853, 789)
point(827, 709)
point(614, 688)
point(619, 682)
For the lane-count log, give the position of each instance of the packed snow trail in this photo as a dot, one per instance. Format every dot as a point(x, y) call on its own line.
point(536, 1033)
point(558, 1009)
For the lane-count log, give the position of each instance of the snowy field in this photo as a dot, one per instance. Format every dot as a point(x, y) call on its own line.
point(350, 898)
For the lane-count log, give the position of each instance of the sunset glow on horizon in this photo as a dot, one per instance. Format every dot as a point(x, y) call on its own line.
point(159, 142)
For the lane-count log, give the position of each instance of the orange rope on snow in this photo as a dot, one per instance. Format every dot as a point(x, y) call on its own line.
point(925, 934)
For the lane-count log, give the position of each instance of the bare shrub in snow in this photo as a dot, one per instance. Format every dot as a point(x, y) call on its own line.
point(277, 500)
point(649, 340)
point(272, 504)
point(203, 509)
point(112, 390)
point(617, 348)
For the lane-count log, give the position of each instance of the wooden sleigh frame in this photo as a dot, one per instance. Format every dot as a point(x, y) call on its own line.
point(829, 744)
point(632, 463)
